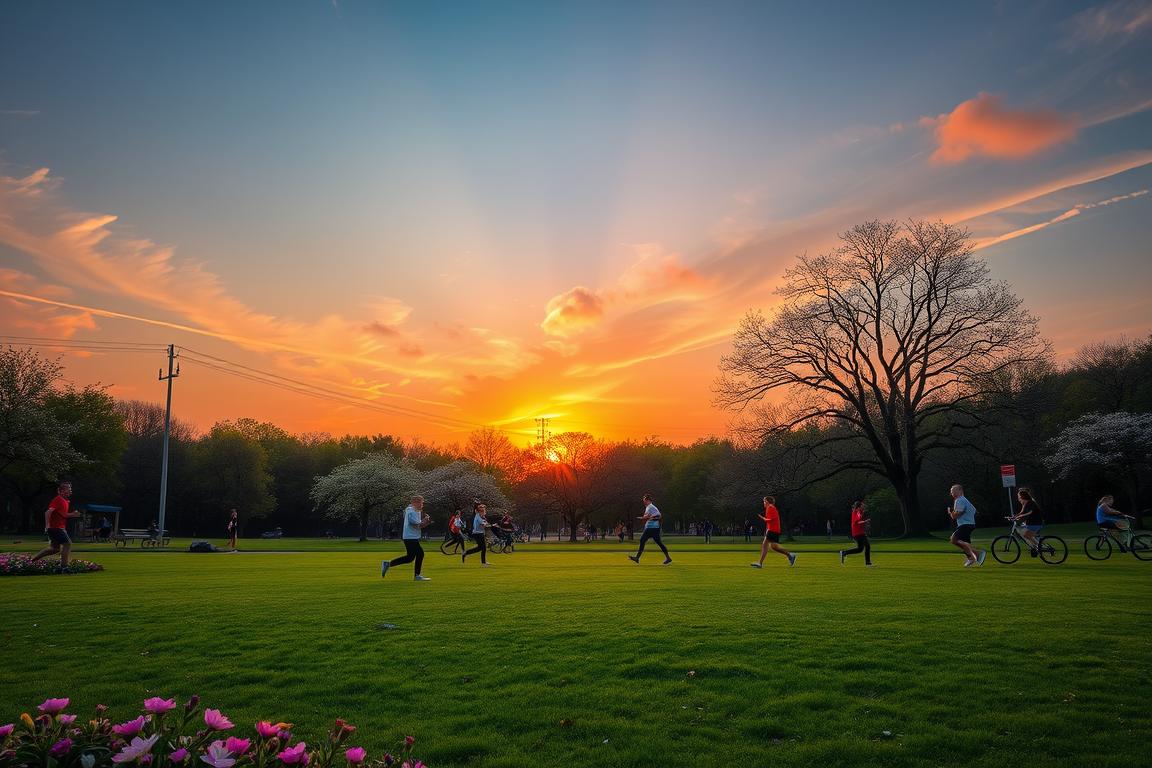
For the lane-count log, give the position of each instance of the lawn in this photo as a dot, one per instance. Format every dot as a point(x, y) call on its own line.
point(564, 655)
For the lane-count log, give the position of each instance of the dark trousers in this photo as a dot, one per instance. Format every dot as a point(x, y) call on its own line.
point(413, 552)
point(481, 547)
point(654, 534)
point(862, 545)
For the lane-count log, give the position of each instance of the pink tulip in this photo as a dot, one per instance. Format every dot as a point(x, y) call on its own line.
point(130, 728)
point(6, 729)
point(218, 756)
point(216, 721)
point(136, 749)
point(356, 755)
point(295, 755)
point(178, 756)
point(158, 706)
point(61, 747)
point(53, 706)
point(66, 719)
point(237, 746)
point(266, 729)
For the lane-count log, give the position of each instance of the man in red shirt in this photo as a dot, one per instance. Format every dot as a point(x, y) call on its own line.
point(56, 526)
point(771, 518)
point(860, 534)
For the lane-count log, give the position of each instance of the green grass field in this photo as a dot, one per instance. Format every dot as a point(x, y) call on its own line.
point(566, 655)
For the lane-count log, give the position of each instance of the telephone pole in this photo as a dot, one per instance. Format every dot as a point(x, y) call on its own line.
point(167, 429)
point(542, 431)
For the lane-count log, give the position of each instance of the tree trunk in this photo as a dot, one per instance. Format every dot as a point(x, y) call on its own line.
point(909, 496)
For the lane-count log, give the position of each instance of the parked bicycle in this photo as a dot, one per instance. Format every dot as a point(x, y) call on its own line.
point(1099, 547)
point(1006, 549)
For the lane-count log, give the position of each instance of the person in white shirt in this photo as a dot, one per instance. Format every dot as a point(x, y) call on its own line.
point(479, 523)
point(415, 521)
point(651, 519)
point(964, 514)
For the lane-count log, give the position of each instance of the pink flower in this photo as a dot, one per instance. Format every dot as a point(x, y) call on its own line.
point(158, 706)
point(61, 747)
point(216, 721)
point(66, 719)
point(53, 706)
point(295, 755)
point(179, 755)
point(266, 729)
point(6, 729)
point(356, 755)
point(237, 746)
point(218, 756)
point(130, 728)
point(409, 740)
point(136, 749)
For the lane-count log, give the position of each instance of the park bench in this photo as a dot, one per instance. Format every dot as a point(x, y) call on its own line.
point(146, 537)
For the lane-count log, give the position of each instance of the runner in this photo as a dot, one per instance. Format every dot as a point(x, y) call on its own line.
point(1031, 520)
point(233, 528)
point(456, 527)
point(651, 520)
point(56, 519)
point(860, 534)
point(479, 523)
point(415, 521)
point(964, 514)
point(771, 518)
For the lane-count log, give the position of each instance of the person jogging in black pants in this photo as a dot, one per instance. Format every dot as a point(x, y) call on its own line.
point(860, 534)
point(479, 523)
point(651, 520)
point(415, 521)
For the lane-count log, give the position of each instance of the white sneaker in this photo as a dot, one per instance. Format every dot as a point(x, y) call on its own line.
point(870, 565)
point(485, 565)
point(841, 557)
point(668, 561)
point(422, 578)
point(969, 563)
point(384, 568)
point(756, 565)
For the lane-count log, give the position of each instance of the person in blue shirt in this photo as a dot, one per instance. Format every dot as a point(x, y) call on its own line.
point(1111, 519)
point(415, 521)
point(964, 514)
point(651, 521)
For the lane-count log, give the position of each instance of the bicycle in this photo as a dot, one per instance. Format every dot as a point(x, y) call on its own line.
point(1099, 547)
point(1006, 549)
point(500, 544)
point(454, 545)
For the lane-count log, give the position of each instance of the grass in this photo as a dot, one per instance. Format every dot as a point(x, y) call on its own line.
point(567, 655)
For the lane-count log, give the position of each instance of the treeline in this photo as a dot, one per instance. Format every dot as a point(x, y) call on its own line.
point(1073, 432)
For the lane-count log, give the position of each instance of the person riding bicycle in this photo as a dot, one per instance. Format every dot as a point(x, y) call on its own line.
point(505, 528)
point(1029, 519)
point(1111, 519)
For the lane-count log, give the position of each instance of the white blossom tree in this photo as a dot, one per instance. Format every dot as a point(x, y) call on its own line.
point(1119, 443)
point(366, 490)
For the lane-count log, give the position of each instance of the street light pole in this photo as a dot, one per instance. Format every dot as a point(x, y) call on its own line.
point(167, 429)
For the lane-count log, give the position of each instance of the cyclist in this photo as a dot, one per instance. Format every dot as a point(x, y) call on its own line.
point(1111, 519)
point(1030, 520)
point(505, 527)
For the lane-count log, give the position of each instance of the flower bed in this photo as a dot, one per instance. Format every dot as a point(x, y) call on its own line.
point(168, 734)
point(16, 564)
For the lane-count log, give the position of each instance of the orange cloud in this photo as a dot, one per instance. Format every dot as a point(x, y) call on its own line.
point(982, 127)
point(572, 311)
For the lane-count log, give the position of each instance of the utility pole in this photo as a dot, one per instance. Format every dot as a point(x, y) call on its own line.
point(167, 428)
point(542, 432)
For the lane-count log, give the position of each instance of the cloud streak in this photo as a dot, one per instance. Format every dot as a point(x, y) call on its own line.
point(984, 127)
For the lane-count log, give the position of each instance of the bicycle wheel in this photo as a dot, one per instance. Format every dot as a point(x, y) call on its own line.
point(1098, 547)
point(1141, 546)
point(450, 547)
point(1053, 550)
point(1005, 549)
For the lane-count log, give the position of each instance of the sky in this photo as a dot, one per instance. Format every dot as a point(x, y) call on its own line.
point(424, 218)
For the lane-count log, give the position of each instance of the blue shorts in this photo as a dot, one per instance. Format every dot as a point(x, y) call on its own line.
point(1033, 528)
point(1110, 522)
point(58, 536)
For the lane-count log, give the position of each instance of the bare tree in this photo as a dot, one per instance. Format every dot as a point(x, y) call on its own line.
point(492, 451)
point(894, 336)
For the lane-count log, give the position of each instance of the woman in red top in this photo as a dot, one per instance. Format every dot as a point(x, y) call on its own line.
point(771, 518)
point(860, 533)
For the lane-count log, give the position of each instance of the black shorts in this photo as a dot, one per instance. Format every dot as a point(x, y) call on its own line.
point(772, 536)
point(963, 533)
point(58, 536)
point(1111, 524)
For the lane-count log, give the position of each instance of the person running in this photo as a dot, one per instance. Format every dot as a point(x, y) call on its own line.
point(479, 523)
point(964, 514)
point(651, 520)
point(771, 518)
point(56, 519)
point(233, 530)
point(415, 521)
point(1030, 520)
point(1112, 519)
point(456, 527)
point(860, 534)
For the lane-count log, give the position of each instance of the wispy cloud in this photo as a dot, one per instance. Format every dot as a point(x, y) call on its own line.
point(1117, 21)
point(19, 112)
point(1068, 214)
point(983, 127)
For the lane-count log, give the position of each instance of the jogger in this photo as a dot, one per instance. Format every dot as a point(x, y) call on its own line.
point(964, 514)
point(860, 534)
point(415, 521)
point(651, 519)
point(771, 518)
point(479, 523)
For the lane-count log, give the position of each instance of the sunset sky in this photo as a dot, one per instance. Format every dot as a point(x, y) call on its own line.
point(446, 215)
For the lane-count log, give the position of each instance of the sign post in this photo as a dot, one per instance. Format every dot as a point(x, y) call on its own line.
point(1008, 478)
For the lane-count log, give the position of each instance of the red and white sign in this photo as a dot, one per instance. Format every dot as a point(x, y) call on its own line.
point(1008, 475)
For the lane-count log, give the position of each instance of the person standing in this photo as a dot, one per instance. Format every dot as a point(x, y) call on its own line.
point(771, 518)
point(479, 524)
point(964, 514)
point(708, 531)
point(56, 519)
point(415, 521)
point(829, 528)
point(651, 520)
point(233, 530)
point(859, 533)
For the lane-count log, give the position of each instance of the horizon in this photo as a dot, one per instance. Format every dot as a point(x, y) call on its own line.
point(440, 218)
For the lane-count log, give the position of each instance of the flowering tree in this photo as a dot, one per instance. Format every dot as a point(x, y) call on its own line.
point(454, 486)
point(1120, 443)
point(365, 489)
point(895, 338)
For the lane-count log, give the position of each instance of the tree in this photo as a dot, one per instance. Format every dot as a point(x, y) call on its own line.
point(365, 490)
point(566, 471)
point(229, 471)
point(898, 335)
point(492, 451)
point(454, 486)
point(1120, 443)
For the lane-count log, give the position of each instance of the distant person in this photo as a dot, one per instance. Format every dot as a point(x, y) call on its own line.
point(651, 520)
point(829, 529)
point(56, 518)
point(860, 534)
point(747, 531)
point(415, 521)
point(456, 527)
point(104, 529)
point(771, 518)
point(153, 530)
point(708, 531)
point(479, 524)
point(964, 514)
point(233, 530)
point(1030, 519)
